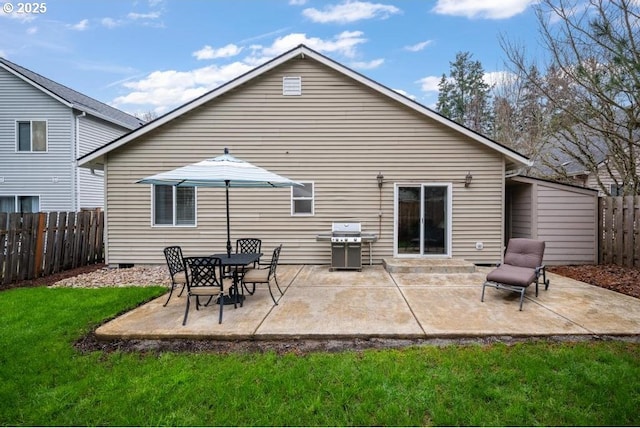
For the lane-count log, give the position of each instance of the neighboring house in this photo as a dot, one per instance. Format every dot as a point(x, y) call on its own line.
point(562, 215)
point(44, 128)
point(574, 172)
point(315, 121)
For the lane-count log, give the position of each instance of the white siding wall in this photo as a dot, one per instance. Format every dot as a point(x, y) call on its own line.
point(93, 133)
point(33, 173)
point(338, 134)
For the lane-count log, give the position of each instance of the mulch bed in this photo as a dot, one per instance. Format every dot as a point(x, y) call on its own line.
point(612, 277)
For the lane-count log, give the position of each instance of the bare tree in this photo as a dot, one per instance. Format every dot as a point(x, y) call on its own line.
point(591, 89)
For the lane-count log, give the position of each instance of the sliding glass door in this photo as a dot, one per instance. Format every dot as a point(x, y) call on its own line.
point(423, 219)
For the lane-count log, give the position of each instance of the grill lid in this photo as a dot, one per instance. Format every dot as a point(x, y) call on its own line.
point(346, 228)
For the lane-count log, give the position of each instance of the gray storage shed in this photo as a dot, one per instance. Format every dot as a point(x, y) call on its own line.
point(564, 216)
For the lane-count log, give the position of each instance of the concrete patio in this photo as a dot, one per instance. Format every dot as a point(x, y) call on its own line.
point(374, 303)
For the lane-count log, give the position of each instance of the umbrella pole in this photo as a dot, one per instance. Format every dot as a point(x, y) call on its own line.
point(226, 187)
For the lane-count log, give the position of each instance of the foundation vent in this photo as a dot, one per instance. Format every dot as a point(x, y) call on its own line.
point(292, 86)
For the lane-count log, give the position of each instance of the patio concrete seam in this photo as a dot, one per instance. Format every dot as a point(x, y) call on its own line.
point(408, 305)
point(255, 331)
point(537, 302)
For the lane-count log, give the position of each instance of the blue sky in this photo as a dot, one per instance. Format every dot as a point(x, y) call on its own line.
point(153, 55)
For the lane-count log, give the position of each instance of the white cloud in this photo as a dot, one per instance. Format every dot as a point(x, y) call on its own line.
point(350, 11)
point(152, 15)
point(32, 30)
point(418, 46)
point(110, 22)
point(207, 52)
point(430, 83)
point(80, 26)
point(489, 9)
point(22, 17)
point(344, 44)
point(165, 89)
point(367, 65)
point(405, 93)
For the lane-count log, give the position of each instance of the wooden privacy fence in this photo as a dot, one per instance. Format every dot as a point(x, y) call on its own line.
point(619, 230)
point(39, 244)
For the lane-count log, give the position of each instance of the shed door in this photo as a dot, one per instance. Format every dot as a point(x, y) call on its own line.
point(423, 219)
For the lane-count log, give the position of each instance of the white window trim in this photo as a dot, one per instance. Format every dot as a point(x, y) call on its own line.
point(174, 206)
point(449, 249)
point(15, 201)
point(17, 136)
point(312, 199)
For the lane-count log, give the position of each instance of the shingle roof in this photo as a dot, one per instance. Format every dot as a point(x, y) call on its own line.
point(76, 99)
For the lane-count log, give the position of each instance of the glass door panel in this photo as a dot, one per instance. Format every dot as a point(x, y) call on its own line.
point(435, 220)
point(423, 220)
point(409, 220)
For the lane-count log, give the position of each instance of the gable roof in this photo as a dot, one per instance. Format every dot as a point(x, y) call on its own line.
point(94, 158)
point(71, 98)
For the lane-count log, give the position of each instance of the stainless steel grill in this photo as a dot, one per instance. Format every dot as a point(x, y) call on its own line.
point(346, 246)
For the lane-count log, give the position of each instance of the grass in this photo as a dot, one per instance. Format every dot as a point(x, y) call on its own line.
point(45, 381)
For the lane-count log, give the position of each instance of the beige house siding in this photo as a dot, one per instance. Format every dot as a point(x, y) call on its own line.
point(606, 179)
point(565, 217)
point(521, 211)
point(338, 134)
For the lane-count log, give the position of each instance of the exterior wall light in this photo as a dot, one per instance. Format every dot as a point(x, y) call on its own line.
point(467, 179)
point(380, 179)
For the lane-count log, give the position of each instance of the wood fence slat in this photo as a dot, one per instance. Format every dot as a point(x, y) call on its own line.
point(40, 243)
point(100, 236)
point(69, 241)
point(37, 244)
point(52, 223)
point(4, 225)
point(619, 230)
point(13, 247)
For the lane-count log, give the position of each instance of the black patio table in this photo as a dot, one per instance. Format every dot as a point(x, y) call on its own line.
point(236, 260)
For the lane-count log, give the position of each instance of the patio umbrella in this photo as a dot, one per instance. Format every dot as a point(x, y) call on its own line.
point(223, 171)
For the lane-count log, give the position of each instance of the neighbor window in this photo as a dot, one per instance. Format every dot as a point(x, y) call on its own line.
point(32, 136)
point(302, 200)
point(19, 204)
point(616, 189)
point(174, 206)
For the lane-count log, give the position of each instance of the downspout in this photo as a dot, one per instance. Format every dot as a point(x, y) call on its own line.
point(76, 171)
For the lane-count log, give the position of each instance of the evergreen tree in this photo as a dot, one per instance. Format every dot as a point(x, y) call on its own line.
point(464, 96)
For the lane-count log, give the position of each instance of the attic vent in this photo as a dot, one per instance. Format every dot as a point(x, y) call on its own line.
point(292, 85)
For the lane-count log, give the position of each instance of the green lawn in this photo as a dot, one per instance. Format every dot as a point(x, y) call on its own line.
point(45, 381)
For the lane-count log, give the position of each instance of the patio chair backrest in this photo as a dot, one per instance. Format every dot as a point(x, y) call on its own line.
point(204, 272)
point(523, 252)
point(248, 245)
point(175, 261)
point(274, 261)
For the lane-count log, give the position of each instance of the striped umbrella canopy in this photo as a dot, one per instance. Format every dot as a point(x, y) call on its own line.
point(223, 171)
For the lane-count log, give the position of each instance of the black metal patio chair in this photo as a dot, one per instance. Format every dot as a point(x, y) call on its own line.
point(205, 279)
point(248, 245)
point(177, 269)
point(264, 275)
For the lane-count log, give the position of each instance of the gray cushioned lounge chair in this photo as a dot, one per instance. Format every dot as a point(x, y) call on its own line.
point(522, 267)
